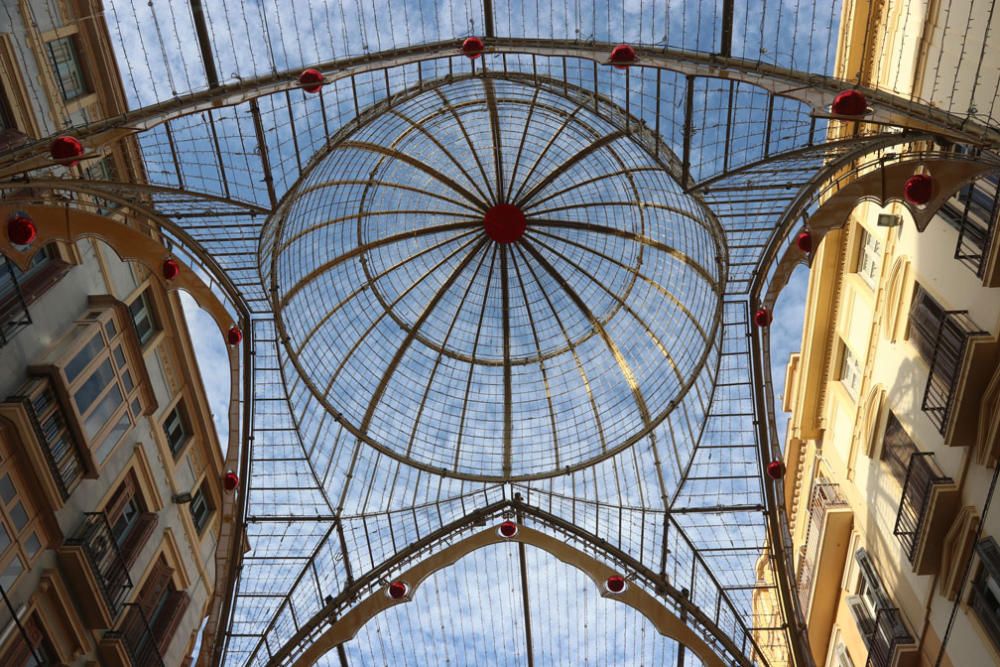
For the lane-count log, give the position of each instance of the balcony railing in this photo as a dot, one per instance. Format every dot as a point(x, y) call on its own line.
point(824, 496)
point(137, 635)
point(104, 558)
point(14, 315)
point(888, 633)
point(922, 475)
point(61, 450)
point(948, 345)
point(973, 211)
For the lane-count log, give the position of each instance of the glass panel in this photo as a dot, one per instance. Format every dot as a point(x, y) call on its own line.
point(19, 517)
point(94, 386)
point(7, 490)
point(103, 412)
point(84, 357)
point(126, 521)
point(13, 571)
point(119, 358)
point(4, 538)
point(32, 545)
point(850, 372)
point(136, 408)
point(127, 381)
point(142, 318)
point(110, 329)
point(113, 437)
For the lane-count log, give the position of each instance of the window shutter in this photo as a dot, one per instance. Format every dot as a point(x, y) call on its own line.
point(124, 493)
point(170, 618)
point(156, 584)
point(138, 537)
point(870, 574)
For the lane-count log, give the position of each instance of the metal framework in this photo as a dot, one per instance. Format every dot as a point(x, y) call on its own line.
point(407, 378)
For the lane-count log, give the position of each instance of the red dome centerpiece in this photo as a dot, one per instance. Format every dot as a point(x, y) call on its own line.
point(505, 223)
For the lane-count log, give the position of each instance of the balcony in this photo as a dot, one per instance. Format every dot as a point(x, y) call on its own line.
point(131, 644)
point(927, 507)
point(973, 212)
point(958, 354)
point(825, 550)
point(889, 642)
point(58, 444)
point(96, 570)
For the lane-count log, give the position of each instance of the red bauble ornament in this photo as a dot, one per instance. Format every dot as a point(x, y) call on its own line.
point(473, 47)
point(505, 223)
point(171, 269)
point(234, 336)
point(230, 481)
point(849, 103)
point(615, 583)
point(622, 56)
point(804, 241)
point(918, 189)
point(311, 80)
point(397, 590)
point(762, 317)
point(21, 230)
point(775, 469)
point(66, 149)
point(508, 529)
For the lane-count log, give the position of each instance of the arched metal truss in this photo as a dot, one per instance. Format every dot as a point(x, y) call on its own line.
point(682, 508)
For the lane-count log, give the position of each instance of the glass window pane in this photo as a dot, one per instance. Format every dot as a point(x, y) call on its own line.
point(84, 357)
point(119, 358)
point(127, 380)
point(32, 545)
point(19, 517)
point(13, 571)
point(4, 539)
point(7, 490)
point(113, 437)
point(103, 412)
point(94, 386)
point(110, 329)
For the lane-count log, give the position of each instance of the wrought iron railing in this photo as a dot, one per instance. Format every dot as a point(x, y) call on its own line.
point(948, 345)
point(824, 495)
point(922, 475)
point(138, 637)
point(105, 559)
point(887, 633)
point(973, 211)
point(62, 453)
point(14, 315)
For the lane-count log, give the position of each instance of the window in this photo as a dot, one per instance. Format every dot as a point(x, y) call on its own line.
point(19, 289)
point(161, 603)
point(130, 522)
point(143, 317)
point(929, 323)
point(869, 258)
point(897, 448)
point(65, 60)
point(100, 375)
point(201, 507)
point(176, 428)
point(6, 115)
point(21, 541)
point(985, 596)
point(878, 619)
point(30, 647)
point(850, 371)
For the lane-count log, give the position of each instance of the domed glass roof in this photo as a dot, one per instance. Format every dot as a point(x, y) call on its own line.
point(495, 280)
point(515, 287)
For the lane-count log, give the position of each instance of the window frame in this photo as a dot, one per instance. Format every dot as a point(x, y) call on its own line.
point(148, 307)
point(844, 372)
point(184, 422)
point(128, 493)
point(204, 495)
point(17, 547)
point(115, 355)
point(988, 552)
point(84, 85)
point(868, 264)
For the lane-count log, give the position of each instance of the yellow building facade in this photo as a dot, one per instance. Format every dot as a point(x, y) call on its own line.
point(892, 441)
point(110, 465)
